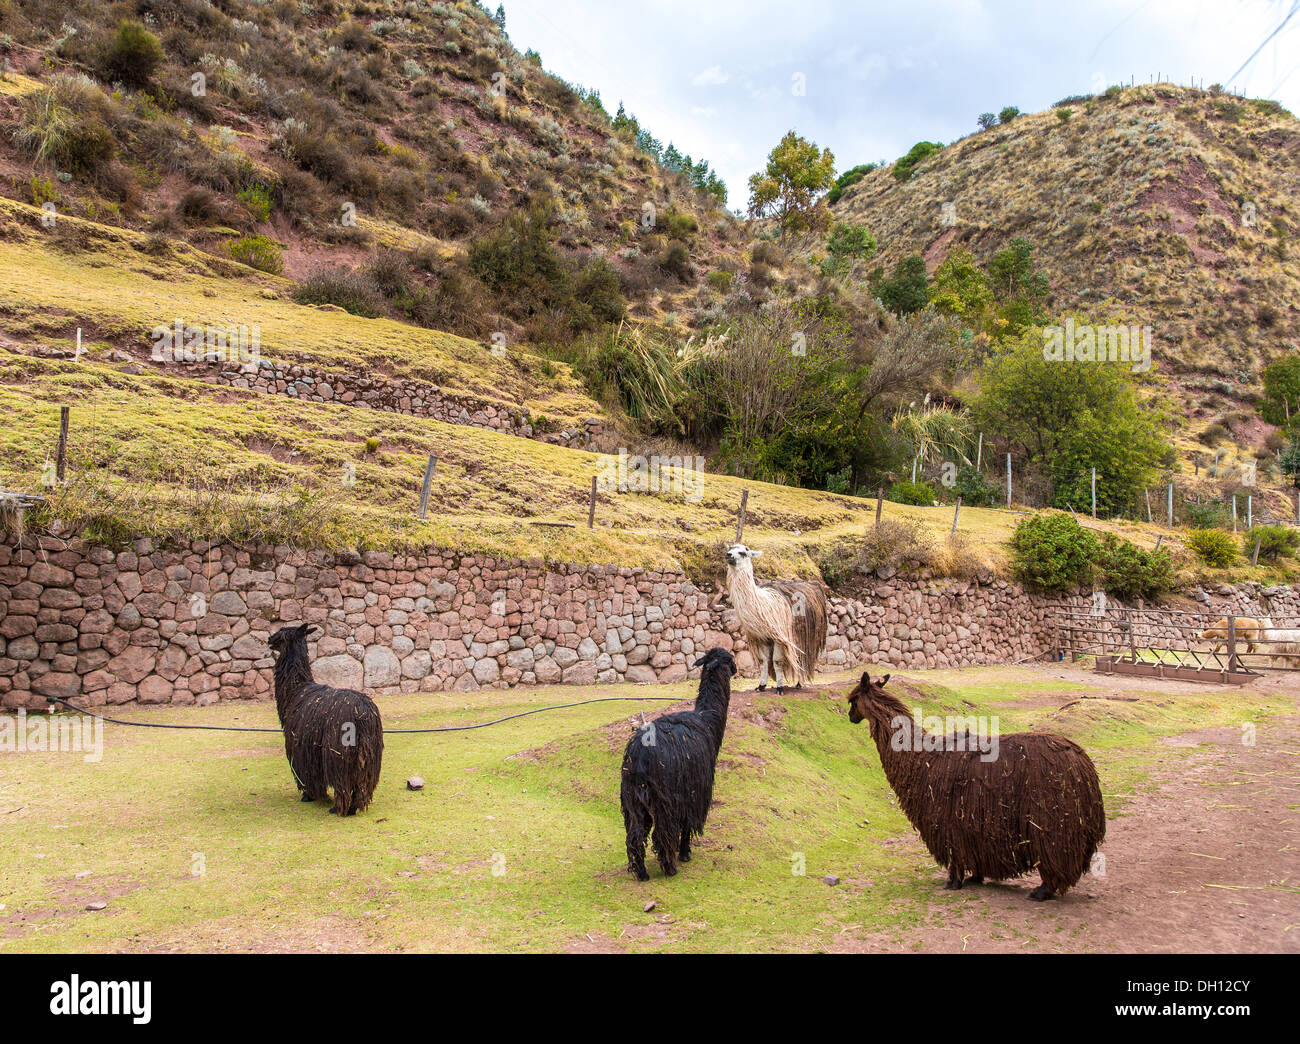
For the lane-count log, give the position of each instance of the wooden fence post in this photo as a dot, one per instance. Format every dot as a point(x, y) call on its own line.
point(428, 484)
point(1148, 495)
point(1232, 642)
point(1254, 555)
point(880, 503)
point(979, 452)
point(591, 508)
point(740, 522)
point(1008, 481)
point(1094, 492)
point(64, 414)
point(1171, 505)
point(956, 515)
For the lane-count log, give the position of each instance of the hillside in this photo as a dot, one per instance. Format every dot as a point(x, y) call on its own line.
point(340, 131)
point(1138, 206)
point(1159, 206)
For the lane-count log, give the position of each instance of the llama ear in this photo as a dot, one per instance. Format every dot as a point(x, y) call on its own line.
point(866, 680)
point(756, 554)
point(307, 630)
point(700, 661)
point(885, 679)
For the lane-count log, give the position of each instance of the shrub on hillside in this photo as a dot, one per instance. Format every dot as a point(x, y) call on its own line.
point(907, 492)
point(918, 153)
point(1127, 571)
point(343, 288)
point(1274, 542)
point(906, 291)
point(850, 177)
point(131, 55)
point(1214, 548)
point(65, 125)
point(975, 490)
point(1052, 553)
point(260, 252)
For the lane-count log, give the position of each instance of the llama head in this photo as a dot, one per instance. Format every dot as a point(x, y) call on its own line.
point(717, 658)
point(866, 692)
point(286, 636)
point(738, 554)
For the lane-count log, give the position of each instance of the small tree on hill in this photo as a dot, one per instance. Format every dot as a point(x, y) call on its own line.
point(797, 173)
point(987, 120)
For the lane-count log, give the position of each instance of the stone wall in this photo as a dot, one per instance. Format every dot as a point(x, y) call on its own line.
point(190, 625)
point(409, 397)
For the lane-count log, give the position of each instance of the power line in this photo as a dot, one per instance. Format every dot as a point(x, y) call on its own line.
point(1295, 6)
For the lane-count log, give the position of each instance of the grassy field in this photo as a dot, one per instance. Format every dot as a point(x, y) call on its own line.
point(195, 840)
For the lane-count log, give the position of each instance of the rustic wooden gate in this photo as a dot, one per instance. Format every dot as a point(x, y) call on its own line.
point(1167, 644)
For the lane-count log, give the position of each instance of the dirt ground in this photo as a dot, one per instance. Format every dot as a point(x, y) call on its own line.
point(1206, 860)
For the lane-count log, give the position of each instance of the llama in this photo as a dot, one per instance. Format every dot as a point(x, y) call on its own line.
point(668, 768)
point(1283, 643)
point(1248, 631)
point(1036, 805)
point(781, 616)
point(333, 738)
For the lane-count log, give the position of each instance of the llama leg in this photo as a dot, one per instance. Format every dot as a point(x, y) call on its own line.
point(975, 879)
point(684, 853)
point(954, 881)
point(776, 669)
point(1042, 893)
point(636, 822)
point(764, 655)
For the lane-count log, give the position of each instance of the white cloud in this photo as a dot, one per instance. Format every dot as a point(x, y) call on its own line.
point(713, 76)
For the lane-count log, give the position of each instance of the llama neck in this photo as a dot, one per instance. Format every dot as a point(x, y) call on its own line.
point(882, 715)
point(713, 702)
point(292, 675)
point(742, 589)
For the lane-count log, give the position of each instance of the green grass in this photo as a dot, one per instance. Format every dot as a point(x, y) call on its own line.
point(536, 798)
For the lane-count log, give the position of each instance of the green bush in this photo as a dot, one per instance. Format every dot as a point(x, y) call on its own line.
point(1008, 114)
point(1214, 548)
point(719, 280)
point(598, 286)
point(258, 200)
point(260, 252)
point(907, 290)
point(131, 55)
point(1127, 571)
point(918, 493)
point(975, 490)
point(848, 241)
point(1052, 553)
point(919, 152)
point(1274, 542)
point(849, 177)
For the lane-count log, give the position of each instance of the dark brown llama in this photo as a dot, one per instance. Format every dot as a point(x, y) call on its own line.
point(1035, 806)
point(333, 738)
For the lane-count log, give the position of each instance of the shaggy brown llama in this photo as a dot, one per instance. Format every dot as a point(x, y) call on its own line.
point(1035, 806)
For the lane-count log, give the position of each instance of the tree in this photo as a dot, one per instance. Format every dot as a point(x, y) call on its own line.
point(788, 187)
point(1020, 288)
point(905, 292)
point(1008, 114)
point(1289, 461)
point(987, 120)
point(1067, 418)
point(500, 17)
point(962, 290)
point(1281, 401)
point(846, 243)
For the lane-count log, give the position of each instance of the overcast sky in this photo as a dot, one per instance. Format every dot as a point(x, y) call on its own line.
point(721, 78)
